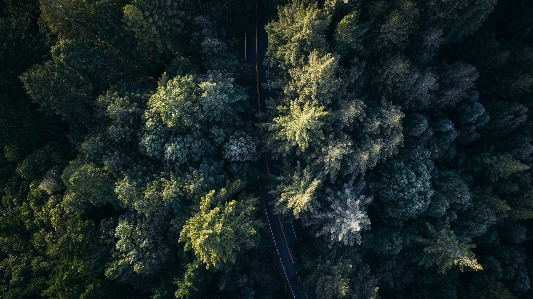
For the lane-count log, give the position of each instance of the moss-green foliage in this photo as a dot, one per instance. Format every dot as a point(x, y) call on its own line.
point(222, 227)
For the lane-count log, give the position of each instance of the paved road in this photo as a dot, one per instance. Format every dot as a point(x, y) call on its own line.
point(282, 232)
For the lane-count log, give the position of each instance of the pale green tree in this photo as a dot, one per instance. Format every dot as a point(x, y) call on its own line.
point(176, 102)
point(332, 157)
point(296, 192)
point(316, 81)
point(192, 282)
point(300, 29)
point(183, 102)
point(349, 33)
point(298, 126)
point(222, 228)
point(446, 250)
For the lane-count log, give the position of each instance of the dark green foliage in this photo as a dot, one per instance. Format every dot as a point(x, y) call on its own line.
point(402, 131)
point(402, 187)
point(483, 286)
point(107, 222)
point(456, 20)
point(461, 183)
point(24, 41)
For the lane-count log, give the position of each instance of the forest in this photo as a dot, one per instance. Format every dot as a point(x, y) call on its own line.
point(400, 132)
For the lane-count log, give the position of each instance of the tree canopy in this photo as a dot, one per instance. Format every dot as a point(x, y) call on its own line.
point(397, 134)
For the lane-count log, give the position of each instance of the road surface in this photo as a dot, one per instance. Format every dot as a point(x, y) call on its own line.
point(282, 233)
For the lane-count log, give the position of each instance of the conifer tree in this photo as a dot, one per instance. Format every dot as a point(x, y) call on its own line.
point(346, 218)
point(445, 250)
point(222, 227)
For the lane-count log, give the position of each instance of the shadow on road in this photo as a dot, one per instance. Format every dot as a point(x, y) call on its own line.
point(282, 232)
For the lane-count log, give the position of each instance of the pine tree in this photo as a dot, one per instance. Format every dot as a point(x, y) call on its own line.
point(222, 227)
point(446, 250)
point(300, 29)
point(298, 126)
point(157, 26)
point(349, 33)
point(296, 192)
point(316, 81)
point(456, 20)
point(402, 186)
point(347, 216)
point(59, 90)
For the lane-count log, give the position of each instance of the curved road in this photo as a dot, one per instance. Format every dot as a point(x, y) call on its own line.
point(282, 233)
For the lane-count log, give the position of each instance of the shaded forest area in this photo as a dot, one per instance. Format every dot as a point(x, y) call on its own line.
point(401, 128)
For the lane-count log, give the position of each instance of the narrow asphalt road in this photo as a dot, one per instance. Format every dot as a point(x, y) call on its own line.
point(282, 233)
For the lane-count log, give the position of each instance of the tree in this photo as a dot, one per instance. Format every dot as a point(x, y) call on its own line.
point(495, 166)
point(374, 138)
point(157, 26)
point(393, 273)
point(222, 227)
point(44, 249)
point(396, 26)
point(90, 182)
point(298, 126)
point(296, 193)
point(456, 20)
point(59, 90)
point(331, 279)
point(71, 239)
point(446, 250)
point(346, 218)
point(455, 84)
point(337, 273)
point(468, 118)
point(121, 107)
point(176, 102)
point(518, 145)
point(476, 219)
point(68, 18)
point(240, 147)
point(25, 42)
point(334, 158)
point(511, 15)
point(184, 101)
point(140, 248)
point(510, 259)
point(349, 33)
point(96, 62)
point(192, 282)
point(402, 186)
point(505, 117)
point(300, 29)
point(315, 81)
point(220, 97)
point(484, 286)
